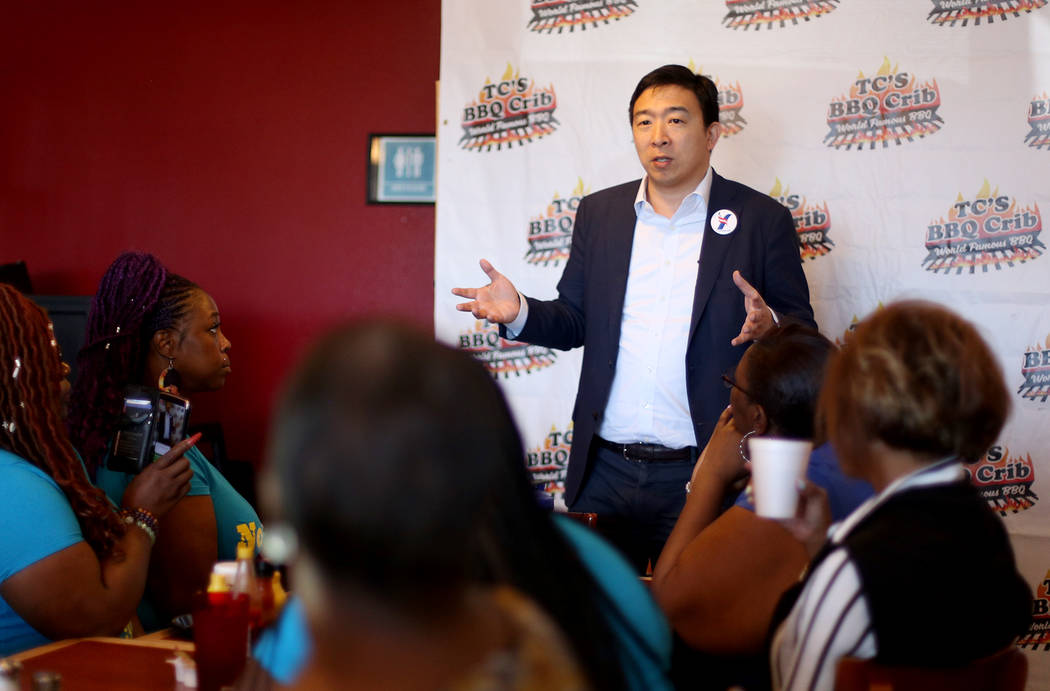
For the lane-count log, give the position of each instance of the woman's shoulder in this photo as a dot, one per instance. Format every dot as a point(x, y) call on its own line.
point(35, 513)
point(20, 474)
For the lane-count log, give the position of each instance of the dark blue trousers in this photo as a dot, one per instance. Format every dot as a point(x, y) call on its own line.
point(637, 502)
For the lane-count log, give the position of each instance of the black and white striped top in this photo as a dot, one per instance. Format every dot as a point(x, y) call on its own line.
point(831, 618)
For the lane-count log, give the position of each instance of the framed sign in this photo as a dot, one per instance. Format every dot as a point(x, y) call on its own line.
point(401, 169)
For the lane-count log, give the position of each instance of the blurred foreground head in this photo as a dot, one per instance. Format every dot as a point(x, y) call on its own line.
point(388, 449)
point(919, 378)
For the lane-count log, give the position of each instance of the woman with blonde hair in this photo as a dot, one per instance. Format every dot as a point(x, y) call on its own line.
point(923, 573)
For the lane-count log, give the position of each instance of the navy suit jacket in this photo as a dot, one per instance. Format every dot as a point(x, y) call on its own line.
point(589, 307)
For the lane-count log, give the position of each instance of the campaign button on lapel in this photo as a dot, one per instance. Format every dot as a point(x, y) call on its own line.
point(723, 222)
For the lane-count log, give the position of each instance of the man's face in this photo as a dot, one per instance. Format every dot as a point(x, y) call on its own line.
point(672, 141)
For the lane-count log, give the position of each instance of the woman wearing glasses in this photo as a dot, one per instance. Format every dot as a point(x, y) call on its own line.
point(721, 573)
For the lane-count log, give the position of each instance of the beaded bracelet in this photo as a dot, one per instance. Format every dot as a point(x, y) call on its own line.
point(144, 515)
point(144, 520)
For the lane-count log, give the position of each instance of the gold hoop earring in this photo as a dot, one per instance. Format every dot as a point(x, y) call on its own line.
point(169, 377)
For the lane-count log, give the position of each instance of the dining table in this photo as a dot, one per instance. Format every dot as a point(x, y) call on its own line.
point(108, 664)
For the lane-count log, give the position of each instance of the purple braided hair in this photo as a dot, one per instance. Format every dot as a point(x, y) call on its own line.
point(136, 298)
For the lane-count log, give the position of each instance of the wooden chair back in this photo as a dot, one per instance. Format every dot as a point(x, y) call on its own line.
point(588, 519)
point(1006, 670)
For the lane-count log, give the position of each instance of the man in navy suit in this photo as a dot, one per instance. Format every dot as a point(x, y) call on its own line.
point(668, 279)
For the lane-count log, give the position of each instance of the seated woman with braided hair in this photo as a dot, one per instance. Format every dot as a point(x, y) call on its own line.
point(70, 564)
point(146, 326)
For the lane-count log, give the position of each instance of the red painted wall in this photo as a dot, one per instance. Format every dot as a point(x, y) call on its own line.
point(230, 139)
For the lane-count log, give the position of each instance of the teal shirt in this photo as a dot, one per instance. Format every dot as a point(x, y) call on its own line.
point(642, 632)
point(641, 629)
point(235, 519)
point(36, 521)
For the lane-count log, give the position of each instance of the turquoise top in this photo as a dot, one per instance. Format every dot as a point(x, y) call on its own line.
point(235, 519)
point(641, 630)
point(37, 522)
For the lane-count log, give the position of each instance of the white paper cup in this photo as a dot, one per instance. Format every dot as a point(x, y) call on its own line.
point(776, 467)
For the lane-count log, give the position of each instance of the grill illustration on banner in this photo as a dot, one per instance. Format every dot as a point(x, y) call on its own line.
point(890, 106)
point(812, 221)
point(1039, 122)
point(1004, 481)
point(1038, 637)
point(1036, 373)
point(759, 14)
point(511, 111)
point(548, 463)
point(962, 12)
point(550, 233)
point(562, 15)
point(503, 357)
point(989, 230)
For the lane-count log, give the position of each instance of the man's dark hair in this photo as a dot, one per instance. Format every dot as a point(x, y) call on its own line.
point(676, 75)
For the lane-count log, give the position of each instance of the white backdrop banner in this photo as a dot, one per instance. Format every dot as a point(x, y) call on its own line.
point(910, 139)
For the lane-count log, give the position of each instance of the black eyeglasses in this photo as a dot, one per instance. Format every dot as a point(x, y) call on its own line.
point(731, 383)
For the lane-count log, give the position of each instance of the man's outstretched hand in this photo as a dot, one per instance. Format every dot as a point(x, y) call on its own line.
point(759, 320)
point(498, 301)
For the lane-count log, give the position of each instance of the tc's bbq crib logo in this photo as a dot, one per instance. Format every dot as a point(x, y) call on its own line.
point(562, 15)
point(1038, 635)
point(550, 233)
point(512, 110)
point(1039, 122)
point(1036, 373)
point(989, 230)
point(547, 463)
point(962, 12)
point(758, 14)
point(888, 107)
point(1004, 481)
point(812, 221)
point(501, 356)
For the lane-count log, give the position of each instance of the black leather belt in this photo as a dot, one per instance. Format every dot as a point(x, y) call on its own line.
point(647, 452)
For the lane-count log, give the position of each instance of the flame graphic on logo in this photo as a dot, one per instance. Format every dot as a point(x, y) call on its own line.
point(746, 14)
point(730, 102)
point(853, 324)
point(948, 14)
point(559, 15)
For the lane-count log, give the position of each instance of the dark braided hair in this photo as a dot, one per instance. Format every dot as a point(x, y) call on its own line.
point(136, 298)
point(31, 415)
